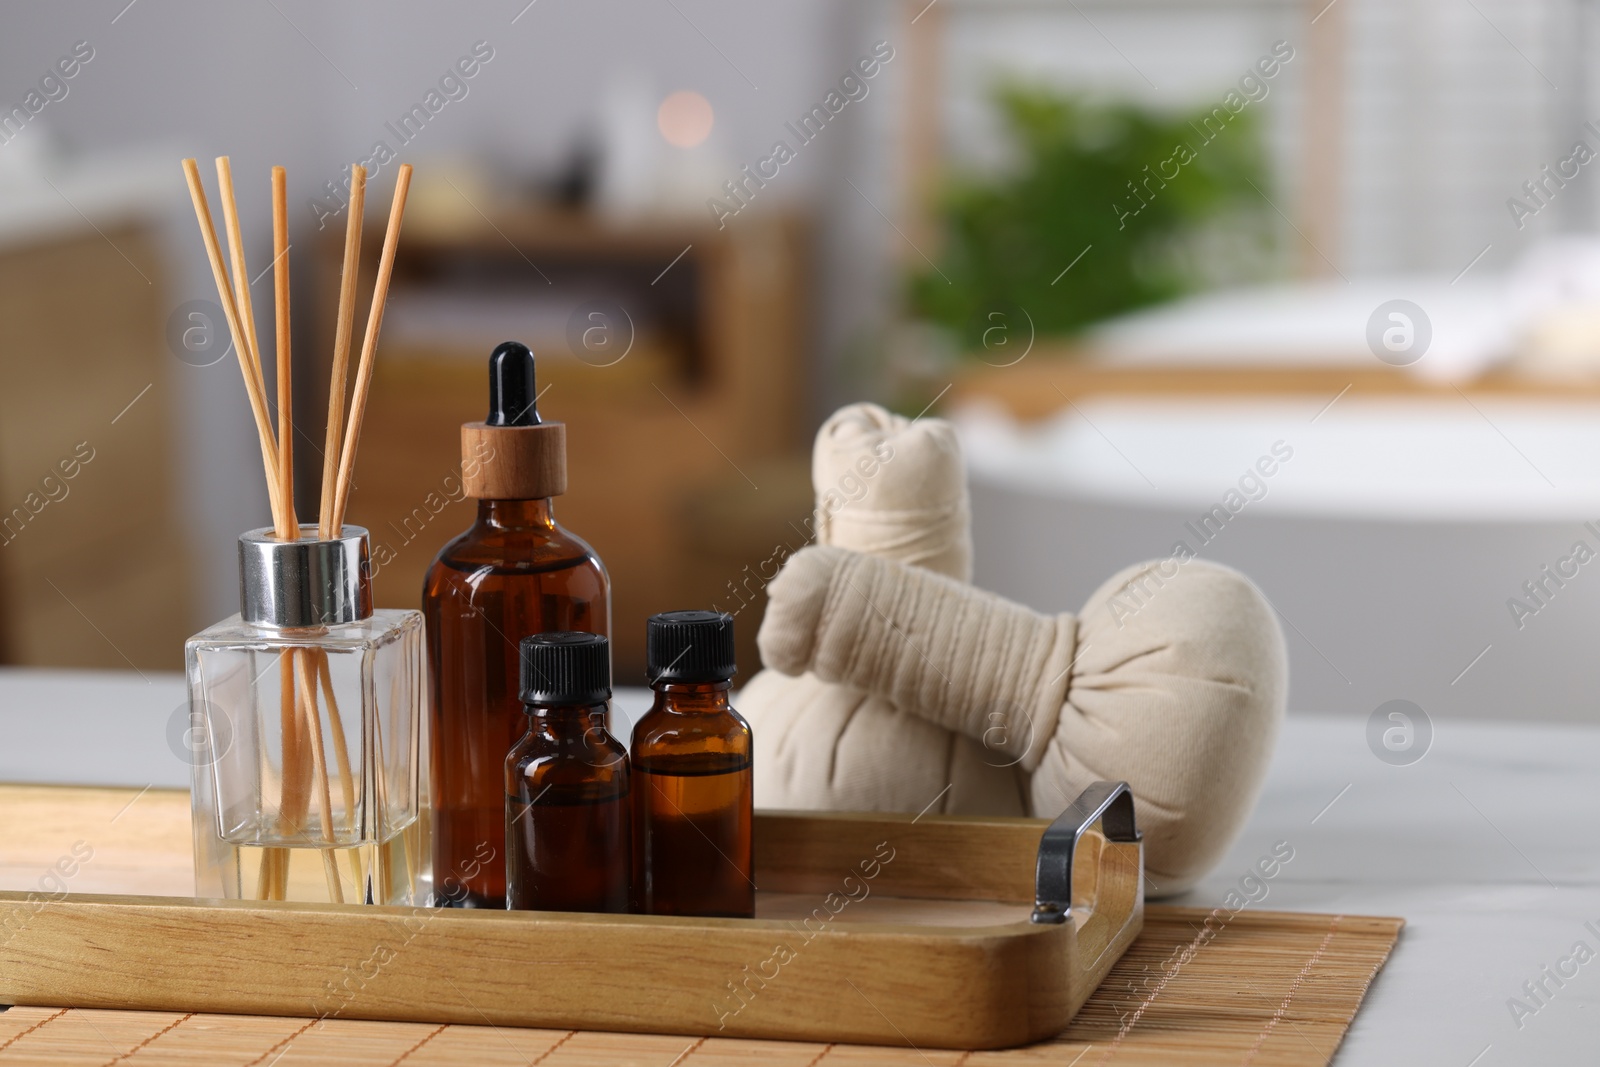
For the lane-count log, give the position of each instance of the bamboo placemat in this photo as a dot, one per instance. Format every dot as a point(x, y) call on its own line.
point(1272, 989)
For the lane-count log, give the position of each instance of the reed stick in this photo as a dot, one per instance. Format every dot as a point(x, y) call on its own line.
point(411, 852)
point(241, 274)
point(293, 792)
point(339, 380)
point(341, 750)
point(380, 778)
point(294, 789)
point(369, 345)
point(313, 723)
point(274, 879)
point(278, 864)
point(266, 880)
point(230, 311)
point(288, 524)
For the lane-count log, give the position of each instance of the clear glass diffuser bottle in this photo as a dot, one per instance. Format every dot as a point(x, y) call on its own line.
point(306, 716)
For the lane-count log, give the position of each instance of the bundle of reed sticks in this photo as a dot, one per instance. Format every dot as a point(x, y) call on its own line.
point(303, 671)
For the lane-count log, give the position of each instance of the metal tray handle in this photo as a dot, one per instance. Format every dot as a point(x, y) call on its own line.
point(1110, 804)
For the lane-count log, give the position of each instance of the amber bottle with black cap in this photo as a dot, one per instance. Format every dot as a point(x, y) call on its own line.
point(514, 573)
point(568, 846)
point(692, 796)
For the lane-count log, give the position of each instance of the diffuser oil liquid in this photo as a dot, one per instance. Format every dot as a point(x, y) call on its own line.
point(693, 845)
point(569, 857)
point(383, 872)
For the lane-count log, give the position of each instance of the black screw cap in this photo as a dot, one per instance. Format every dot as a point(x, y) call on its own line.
point(690, 646)
point(566, 668)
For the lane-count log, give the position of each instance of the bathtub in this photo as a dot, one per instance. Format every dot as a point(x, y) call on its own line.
point(1395, 539)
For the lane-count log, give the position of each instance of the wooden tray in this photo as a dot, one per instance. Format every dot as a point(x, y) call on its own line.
point(937, 932)
point(1268, 989)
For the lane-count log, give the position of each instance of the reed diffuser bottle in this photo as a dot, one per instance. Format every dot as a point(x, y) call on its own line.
point(307, 777)
point(514, 573)
point(306, 707)
point(692, 793)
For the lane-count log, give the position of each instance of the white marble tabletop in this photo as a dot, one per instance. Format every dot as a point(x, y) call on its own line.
point(1488, 846)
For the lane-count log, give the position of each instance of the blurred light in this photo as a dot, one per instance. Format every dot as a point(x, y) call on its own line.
point(685, 118)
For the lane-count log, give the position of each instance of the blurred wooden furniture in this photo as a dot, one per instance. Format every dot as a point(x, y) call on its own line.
point(690, 381)
point(91, 568)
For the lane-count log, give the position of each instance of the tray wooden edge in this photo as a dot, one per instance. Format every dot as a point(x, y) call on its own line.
point(867, 983)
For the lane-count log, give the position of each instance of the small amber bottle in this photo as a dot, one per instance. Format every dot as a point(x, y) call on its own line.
point(568, 846)
point(693, 802)
point(514, 573)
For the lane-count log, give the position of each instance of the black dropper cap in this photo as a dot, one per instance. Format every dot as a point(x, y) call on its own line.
point(566, 668)
point(689, 646)
point(513, 394)
point(513, 454)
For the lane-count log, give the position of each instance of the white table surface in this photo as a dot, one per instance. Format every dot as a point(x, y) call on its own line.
point(1489, 847)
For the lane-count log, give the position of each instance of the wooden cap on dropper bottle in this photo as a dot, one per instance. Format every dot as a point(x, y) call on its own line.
point(513, 454)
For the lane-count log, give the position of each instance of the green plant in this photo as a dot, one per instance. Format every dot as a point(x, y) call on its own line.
point(1140, 189)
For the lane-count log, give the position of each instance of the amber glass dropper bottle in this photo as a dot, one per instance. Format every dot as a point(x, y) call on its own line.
point(692, 796)
point(568, 846)
point(514, 573)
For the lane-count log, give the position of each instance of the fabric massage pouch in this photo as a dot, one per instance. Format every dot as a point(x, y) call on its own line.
point(892, 684)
